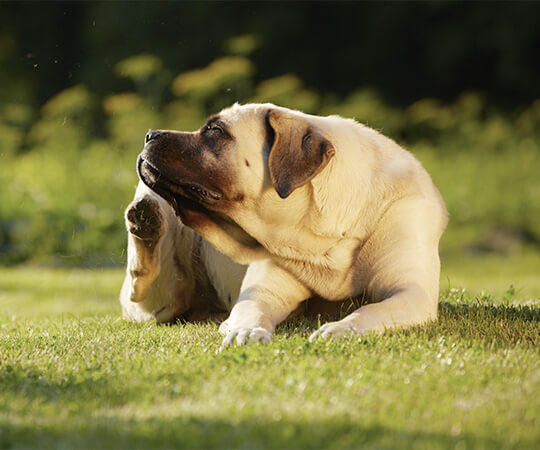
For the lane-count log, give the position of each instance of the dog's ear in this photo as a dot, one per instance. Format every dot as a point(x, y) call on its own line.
point(298, 152)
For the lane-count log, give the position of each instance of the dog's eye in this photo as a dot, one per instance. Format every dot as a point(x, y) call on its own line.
point(213, 128)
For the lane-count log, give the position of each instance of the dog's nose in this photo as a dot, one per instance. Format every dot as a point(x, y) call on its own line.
point(152, 134)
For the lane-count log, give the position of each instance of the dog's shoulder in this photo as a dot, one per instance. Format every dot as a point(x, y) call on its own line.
point(369, 173)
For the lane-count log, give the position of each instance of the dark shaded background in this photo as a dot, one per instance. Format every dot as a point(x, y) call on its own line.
point(406, 50)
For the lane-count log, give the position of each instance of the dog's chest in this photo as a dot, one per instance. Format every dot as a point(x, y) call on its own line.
point(332, 272)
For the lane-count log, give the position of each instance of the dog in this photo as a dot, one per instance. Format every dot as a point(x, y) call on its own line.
point(265, 207)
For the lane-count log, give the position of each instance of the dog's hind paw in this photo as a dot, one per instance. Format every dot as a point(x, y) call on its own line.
point(144, 219)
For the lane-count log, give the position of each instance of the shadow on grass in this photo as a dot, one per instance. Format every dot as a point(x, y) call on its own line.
point(498, 324)
point(192, 432)
point(37, 385)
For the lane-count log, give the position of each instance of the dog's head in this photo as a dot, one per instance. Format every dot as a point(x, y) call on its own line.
point(239, 156)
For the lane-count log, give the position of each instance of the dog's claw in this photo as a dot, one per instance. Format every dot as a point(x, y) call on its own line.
point(332, 330)
point(244, 336)
point(227, 340)
point(224, 328)
point(314, 335)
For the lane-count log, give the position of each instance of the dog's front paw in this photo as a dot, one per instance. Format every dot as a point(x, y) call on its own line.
point(335, 329)
point(224, 327)
point(144, 219)
point(243, 335)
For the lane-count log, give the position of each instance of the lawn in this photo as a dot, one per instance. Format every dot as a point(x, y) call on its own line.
point(73, 374)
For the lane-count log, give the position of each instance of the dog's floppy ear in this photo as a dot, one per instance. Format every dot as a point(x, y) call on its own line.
point(297, 154)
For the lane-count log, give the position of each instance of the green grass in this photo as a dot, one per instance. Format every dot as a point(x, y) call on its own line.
point(74, 375)
point(495, 275)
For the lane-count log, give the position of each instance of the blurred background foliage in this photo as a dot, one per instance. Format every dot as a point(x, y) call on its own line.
point(455, 83)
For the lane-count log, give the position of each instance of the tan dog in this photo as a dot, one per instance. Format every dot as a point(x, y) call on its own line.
point(314, 206)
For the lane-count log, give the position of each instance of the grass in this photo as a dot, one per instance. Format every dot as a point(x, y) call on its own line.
point(74, 375)
point(495, 275)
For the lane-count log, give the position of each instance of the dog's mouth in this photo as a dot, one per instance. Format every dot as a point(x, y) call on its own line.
point(184, 193)
point(188, 195)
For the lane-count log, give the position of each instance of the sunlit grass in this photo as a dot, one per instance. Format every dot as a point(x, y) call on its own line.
point(496, 275)
point(34, 292)
point(75, 375)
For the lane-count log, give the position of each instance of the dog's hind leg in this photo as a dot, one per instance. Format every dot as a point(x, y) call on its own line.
point(146, 229)
point(159, 280)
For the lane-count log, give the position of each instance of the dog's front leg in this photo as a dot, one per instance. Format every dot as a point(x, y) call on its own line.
point(408, 306)
point(268, 295)
point(402, 267)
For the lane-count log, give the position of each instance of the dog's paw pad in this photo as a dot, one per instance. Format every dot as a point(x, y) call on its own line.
point(144, 220)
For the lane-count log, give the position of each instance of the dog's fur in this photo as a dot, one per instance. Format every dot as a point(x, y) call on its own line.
point(306, 206)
